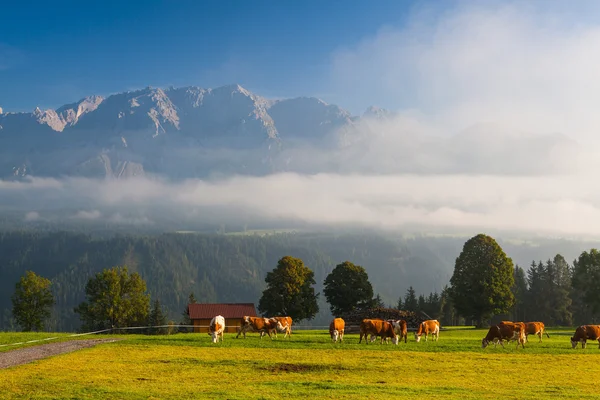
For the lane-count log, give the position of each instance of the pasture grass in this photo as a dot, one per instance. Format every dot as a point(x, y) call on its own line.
point(308, 365)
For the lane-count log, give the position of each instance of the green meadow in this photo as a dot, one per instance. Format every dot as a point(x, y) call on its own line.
point(309, 365)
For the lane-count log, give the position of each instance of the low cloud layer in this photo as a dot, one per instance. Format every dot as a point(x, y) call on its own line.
point(435, 203)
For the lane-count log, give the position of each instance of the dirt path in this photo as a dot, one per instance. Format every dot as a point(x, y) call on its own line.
point(29, 354)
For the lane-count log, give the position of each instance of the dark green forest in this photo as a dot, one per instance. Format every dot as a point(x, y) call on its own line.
point(232, 268)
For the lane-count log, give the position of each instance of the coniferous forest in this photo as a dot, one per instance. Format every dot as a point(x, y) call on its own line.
point(407, 272)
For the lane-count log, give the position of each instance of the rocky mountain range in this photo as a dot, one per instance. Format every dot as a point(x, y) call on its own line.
point(194, 132)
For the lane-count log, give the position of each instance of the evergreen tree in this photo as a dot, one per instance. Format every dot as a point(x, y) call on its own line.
point(400, 304)
point(482, 279)
point(448, 312)
point(347, 287)
point(559, 296)
point(290, 291)
point(421, 305)
point(157, 318)
point(586, 287)
point(186, 313)
point(378, 302)
point(32, 301)
point(519, 290)
point(410, 300)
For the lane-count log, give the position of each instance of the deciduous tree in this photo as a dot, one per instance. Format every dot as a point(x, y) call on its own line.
point(482, 280)
point(32, 301)
point(347, 287)
point(114, 299)
point(290, 291)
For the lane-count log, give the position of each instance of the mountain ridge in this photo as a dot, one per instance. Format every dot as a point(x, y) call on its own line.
point(193, 132)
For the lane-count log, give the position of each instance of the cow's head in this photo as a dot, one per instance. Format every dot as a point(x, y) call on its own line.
point(484, 343)
point(215, 337)
point(395, 339)
point(573, 342)
point(334, 335)
point(417, 337)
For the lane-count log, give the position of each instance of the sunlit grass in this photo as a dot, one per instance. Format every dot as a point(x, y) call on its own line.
point(309, 365)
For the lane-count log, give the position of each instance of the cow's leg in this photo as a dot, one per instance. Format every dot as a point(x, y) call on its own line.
point(540, 335)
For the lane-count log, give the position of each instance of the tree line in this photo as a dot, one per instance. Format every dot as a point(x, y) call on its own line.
point(484, 284)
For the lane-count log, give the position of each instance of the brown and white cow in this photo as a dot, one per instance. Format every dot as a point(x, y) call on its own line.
point(431, 326)
point(400, 329)
point(216, 328)
point(521, 332)
point(505, 331)
point(258, 324)
point(336, 329)
point(284, 325)
point(585, 332)
point(377, 327)
point(535, 328)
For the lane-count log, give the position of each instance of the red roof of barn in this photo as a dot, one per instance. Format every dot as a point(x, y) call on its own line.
point(227, 310)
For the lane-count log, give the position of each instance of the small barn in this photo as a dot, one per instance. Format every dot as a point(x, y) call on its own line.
point(202, 313)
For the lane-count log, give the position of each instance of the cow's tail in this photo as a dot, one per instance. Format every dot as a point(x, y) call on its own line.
point(546, 332)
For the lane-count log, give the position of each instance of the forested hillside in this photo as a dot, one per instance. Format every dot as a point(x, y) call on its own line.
point(232, 268)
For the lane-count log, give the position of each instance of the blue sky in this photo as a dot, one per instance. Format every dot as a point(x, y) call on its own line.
point(52, 53)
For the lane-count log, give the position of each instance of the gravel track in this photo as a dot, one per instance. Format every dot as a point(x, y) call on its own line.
point(23, 356)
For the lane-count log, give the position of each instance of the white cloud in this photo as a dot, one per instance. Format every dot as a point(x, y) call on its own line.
point(563, 205)
point(529, 66)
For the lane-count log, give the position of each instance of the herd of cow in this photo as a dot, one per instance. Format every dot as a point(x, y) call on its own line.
point(396, 330)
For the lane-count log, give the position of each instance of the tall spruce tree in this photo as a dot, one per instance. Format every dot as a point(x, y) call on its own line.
point(157, 319)
point(586, 287)
point(410, 300)
point(519, 290)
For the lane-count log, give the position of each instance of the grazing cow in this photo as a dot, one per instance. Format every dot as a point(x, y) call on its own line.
point(336, 329)
point(216, 328)
point(431, 326)
point(535, 328)
point(283, 324)
point(377, 327)
point(400, 329)
point(505, 331)
point(258, 324)
point(521, 335)
point(585, 332)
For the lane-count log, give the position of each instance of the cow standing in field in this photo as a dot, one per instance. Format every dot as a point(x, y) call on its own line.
point(585, 332)
point(258, 324)
point(535, 328)
point(336, 329)
point(377, 327)
point(283, 324)
point(505, 331)
point(521, 329)
point(400, 329)
point(431, 326)
point(216, 328)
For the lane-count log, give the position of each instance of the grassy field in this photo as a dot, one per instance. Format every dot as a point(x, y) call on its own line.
point(308, 365)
